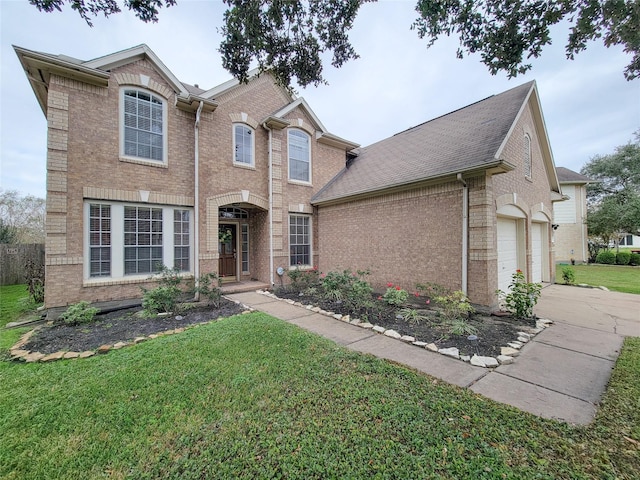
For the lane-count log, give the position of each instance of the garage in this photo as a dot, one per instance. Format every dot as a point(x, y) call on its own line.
point(507, 251)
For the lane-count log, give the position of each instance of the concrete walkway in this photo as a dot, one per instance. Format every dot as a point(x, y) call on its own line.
point(560, 374)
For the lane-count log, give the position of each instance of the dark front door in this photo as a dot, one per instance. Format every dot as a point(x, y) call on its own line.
point(227, 234)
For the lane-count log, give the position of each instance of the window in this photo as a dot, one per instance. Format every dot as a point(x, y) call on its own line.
point(142, 240)
point(527, 156)
point(243, 144)
point(181, 240)
point(245, 248)
point(300, 240)
point(124, 240)
point(99, 240)
point(299, 156)
point(143, 125)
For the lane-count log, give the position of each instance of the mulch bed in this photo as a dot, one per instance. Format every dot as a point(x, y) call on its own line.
point(493, 332)
point(121, 326)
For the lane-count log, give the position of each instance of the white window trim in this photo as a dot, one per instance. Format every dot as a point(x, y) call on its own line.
point(142, 160)
point(117, 242)
point(251, 165)
point(296, 266)
point(293, 180)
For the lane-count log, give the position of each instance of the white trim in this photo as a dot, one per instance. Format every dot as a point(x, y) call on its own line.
point(253, 144)
point(165, 119)
point(301, 102)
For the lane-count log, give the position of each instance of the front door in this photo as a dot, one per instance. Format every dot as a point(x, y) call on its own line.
point(227, 235)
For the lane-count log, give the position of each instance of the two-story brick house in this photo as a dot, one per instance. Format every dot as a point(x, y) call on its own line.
point(143, 170)
point(242, 179)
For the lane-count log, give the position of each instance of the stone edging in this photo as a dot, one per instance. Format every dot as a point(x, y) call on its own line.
point(17, 353)
point(507, 353)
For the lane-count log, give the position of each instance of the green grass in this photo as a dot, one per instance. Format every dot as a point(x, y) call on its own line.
point(255, 397)
point(615, 277)
point(14, 303)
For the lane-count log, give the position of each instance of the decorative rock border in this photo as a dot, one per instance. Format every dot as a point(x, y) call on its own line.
point(507, 353)
point(18, 353)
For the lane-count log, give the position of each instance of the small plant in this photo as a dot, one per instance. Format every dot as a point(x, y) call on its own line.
point(208, 286)
point(460, 326)
point(395, 295)
point(568, 275)
point(412, 315)
point(164, 297)
point(522, 296)
point(79, 313)
point(34, 273)
point(432, 290)
point(302, 280)
point(454, 306)
point(607, 257)
point(351, 288)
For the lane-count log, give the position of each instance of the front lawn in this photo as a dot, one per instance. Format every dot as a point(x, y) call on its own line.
point(14, 302)
point(254, 397)
point(618, 278)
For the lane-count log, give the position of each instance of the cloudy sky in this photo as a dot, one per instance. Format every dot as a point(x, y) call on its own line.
point(396, 83)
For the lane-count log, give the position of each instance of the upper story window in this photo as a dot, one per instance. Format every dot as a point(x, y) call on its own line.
point(527, 156)
point(144, 129)
point(299, 156)
point(243, 144)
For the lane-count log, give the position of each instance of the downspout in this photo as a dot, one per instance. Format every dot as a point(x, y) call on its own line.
point(271, 279)
point(585, 257)
point(196, 220)
point(465, 232)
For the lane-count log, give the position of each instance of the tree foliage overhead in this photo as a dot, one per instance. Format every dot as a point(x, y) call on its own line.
point(614, 199)
point(289, 36)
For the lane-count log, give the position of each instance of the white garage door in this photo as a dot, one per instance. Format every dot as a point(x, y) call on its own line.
point(536, 252)
point(507, 252)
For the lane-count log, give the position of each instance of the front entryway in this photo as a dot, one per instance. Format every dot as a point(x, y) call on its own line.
point(227, 248)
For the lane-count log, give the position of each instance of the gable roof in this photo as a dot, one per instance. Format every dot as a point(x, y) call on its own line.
point(466, 140)
point(569, 176)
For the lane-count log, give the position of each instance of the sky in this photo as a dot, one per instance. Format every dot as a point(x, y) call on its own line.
point(397, 82)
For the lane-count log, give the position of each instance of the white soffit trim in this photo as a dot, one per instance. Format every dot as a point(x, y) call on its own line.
point(123, 57)
point(301, 102)
point(229, 84)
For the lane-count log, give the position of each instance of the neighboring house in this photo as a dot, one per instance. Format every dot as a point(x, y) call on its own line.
point(242, 179)
point(630, 240)
point(463, 200)
point(143, 170)
point(570, 236)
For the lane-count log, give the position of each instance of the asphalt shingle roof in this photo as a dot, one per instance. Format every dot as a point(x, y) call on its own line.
point(459, 141)
point(569, 176)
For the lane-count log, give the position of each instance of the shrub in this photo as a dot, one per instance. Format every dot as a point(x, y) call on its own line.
point(568, 275)
point(634, 259)
point(164, 297)
point(79, 313)
point(522, 297)
point(209, 286)
point(303, 280)
point(395, 295)
point(432, 290)
point(607, 257)
point(350, 288)
point(454, 306)
point(623, 258)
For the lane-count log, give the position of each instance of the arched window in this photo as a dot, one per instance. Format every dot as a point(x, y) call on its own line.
point(527, 156)
point(243, 144)
point(299, 156)
point(143, 125)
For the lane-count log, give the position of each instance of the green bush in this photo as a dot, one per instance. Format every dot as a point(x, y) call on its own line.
point(164, 297)
point(569, 275)
point(607, 257)
point(209, 286)
point(350, 288)
point(302, 280)
point(623, 258)
point(79, 313)
point(395, 295)
point(522, 297)
point(454, 306)
point(634, 259)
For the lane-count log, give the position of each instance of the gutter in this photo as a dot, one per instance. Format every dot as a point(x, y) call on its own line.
point(196, 220)
point(465, 232)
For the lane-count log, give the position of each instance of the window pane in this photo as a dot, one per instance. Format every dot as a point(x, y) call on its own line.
point(299, 240)
point(143, 125)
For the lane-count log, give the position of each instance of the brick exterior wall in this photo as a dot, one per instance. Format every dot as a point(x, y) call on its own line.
point(84, 163)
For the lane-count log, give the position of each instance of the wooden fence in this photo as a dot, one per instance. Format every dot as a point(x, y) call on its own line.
point(13, 258)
